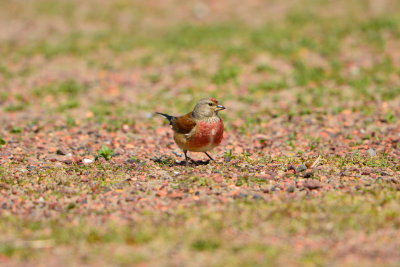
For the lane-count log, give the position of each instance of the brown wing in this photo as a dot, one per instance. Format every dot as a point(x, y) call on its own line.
point(183, 124)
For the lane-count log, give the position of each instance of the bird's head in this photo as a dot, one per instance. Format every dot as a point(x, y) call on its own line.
point(206, 108)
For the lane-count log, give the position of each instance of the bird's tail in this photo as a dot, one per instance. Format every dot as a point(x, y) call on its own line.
point(168, 117)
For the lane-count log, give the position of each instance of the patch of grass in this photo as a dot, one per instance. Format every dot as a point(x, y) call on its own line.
point(225, 74)
point(167, 161)
point(201, 181)
point(15, 107)
point(268, 86)
point(205, 37)
point(229, 154)
point(153, 78)
point(205, 245)
point(134, 158)
point(68, 87)
point(105, 153)
point(246, 180)
point(69, 104)
point(265, 68)
point(390, 118)
point(70, 122)
point(128, 259)
point(304, 75)
point(15, 130)
point(5, 72)
point(314, 258)
point(101, 110)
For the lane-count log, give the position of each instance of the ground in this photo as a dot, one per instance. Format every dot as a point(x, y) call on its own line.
point(308, 173)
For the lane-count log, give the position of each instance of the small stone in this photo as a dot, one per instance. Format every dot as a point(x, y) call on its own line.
point(291, 167)
point(290, 189)
point(257, 196)
point(312, 184)
point(132, 161)
point(301, 168)
point(242, 195)
point(76, 160)
point(175, 195)
point(129, 199)
point(125, 128)
point(161, 193)
point(177, 154)
point(53, 158)
point(61, 151)
point(366, 171)
point(87, 161)
point(274, 188)
point(227, 159)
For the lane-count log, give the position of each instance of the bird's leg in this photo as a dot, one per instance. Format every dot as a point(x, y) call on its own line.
point(186, 157)
point(209, 156)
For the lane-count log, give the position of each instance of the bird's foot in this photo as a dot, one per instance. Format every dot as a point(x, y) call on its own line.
point(192, 162)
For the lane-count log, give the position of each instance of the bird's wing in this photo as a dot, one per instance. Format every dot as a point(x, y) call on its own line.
point(183, 124)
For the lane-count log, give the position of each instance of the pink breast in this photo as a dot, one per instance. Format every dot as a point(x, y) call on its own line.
point(207, 133)
point(219, 134)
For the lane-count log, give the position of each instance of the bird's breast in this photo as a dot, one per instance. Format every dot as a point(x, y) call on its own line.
point(204, 137)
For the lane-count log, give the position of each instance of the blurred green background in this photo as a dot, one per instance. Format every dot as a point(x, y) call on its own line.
point(303, 81)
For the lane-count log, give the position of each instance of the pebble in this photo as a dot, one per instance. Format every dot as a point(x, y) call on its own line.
point(307, 174)
point(257, 196)
point(87, 161)
point(61, 151)
point(312, 184)
point(53, 158)
point(290, 189)
point(301, 168)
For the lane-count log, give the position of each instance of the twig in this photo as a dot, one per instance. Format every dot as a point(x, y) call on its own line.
point(316, 162)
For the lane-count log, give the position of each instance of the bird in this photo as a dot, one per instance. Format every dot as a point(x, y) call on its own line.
point(200, 130)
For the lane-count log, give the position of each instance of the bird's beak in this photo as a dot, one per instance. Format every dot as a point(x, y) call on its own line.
point(220, 107)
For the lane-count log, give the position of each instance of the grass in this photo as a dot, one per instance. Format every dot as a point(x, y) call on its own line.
point(307, 175)
point(323, 216)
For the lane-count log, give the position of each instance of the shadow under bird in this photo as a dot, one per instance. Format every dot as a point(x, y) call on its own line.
point(200, 130)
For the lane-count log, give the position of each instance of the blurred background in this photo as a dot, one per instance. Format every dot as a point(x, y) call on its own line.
point(308, 171)
point(98, 60)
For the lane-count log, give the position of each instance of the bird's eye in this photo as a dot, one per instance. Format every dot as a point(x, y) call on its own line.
point(210, 104)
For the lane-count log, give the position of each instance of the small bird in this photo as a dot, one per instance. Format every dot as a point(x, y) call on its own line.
point(200, 130)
